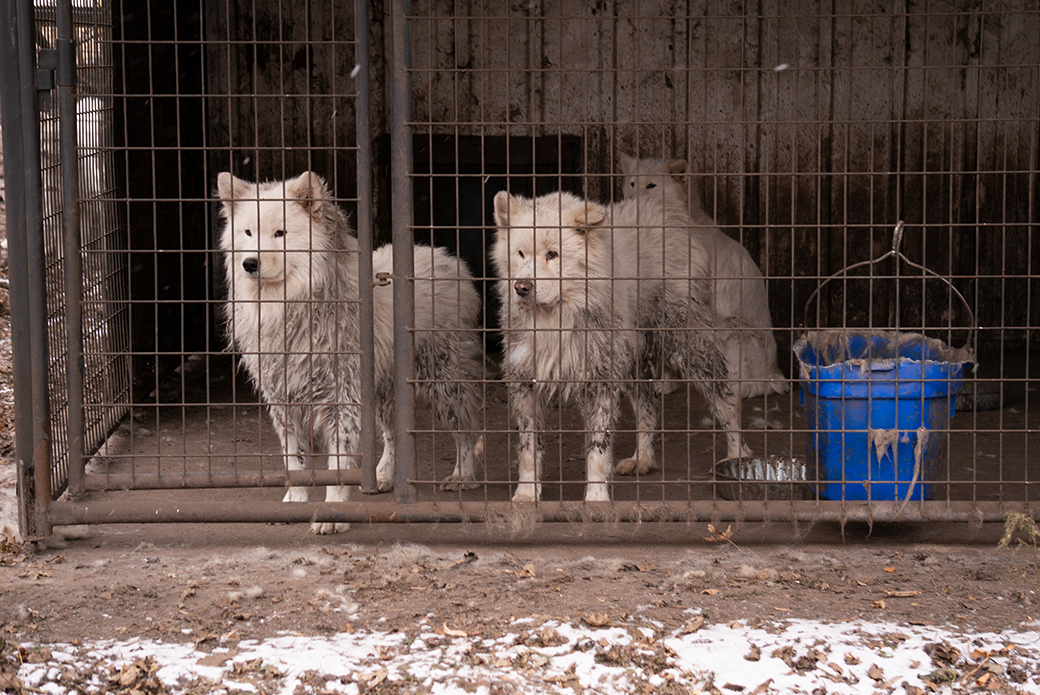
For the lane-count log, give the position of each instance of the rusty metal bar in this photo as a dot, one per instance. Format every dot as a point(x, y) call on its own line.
point(135, 481)
point(404, 265)
point(65, 80)
point(27, 264)
point(18, 145)
point(365, 167)
point(66, 513)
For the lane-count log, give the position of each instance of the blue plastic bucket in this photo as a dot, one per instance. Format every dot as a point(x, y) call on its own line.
point(877, 407)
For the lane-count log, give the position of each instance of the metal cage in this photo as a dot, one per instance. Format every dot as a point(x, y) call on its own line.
point(805, 138)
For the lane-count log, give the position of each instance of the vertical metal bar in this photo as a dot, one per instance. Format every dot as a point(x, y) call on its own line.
point(404, 267)
point(73, 261)
point(25, 247)
point(20, 178)
point(364, 232)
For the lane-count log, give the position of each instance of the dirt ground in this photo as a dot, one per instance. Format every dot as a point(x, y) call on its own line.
point(214, 586)
point(187, 582)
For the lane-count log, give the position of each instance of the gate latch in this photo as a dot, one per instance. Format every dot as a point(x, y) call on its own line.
point(383, 279)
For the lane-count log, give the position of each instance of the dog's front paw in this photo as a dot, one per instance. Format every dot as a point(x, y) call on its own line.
point(384, 484)
point(459, 482)
point(327, 527)
point(597, 492)
point(527, 492)
point(295, 494)
point(637, 465)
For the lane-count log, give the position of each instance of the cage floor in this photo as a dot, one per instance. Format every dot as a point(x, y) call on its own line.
point(209, 421)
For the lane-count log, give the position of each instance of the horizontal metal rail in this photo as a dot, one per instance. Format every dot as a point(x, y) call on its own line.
point(99, 482)
point(67, 513)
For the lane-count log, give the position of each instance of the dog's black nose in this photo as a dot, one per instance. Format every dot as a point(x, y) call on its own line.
point(523, 287)
point(251, 265)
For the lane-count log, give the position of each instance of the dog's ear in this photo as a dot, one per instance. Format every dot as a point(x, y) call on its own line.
point(507, 208)
point(588, 215)
point(677, 168)
point(230, 188)
point(628, 164)
point(308, 189)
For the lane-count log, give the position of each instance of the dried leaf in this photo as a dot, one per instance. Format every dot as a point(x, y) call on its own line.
point(902, 594)
point(890, 569)
point(710, 592)
point(597, 619)
point(876, 673)
point(878, 604)
point(693, 624)
point(453, 633)
point(718, 536)
point(762, 687)
point(128, 676)
point(755, 654)
point(377, 678)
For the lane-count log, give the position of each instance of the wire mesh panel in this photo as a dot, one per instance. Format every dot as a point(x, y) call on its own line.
point(104, 299)
point(612, 225)
point(803, 137)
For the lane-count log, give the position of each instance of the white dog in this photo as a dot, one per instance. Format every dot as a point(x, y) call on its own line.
point(739, 288)
point(291, 262)
point(594, 299)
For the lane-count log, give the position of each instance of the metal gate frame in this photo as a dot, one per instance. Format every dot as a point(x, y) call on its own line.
point(39, 511)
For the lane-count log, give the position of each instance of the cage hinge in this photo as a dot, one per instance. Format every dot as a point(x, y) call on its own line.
point(47, 64)
point(383, 279)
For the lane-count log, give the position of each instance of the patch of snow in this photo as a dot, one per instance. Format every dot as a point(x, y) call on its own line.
point(794, 656)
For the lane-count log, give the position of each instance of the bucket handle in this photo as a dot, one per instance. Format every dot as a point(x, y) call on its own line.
point(897, 238)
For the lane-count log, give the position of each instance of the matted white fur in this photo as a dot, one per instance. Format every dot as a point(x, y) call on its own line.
point(595, 301)
point(738, 285)
point(291, 263)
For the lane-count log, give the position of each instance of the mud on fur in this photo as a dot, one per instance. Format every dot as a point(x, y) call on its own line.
point(597, 300)
point(737, 283)
point(291, 264)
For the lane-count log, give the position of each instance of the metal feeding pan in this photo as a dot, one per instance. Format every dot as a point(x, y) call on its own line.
point(774, 478)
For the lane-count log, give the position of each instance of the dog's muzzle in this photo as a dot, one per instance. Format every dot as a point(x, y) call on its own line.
point(251, 265)
point(524, 289)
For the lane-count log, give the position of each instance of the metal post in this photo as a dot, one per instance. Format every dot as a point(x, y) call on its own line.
point(404, 266)
point(73, 260)
point(25, 248)
point(15, 142)
point(364, 232)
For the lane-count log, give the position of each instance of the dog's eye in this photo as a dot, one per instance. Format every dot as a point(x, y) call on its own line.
point(521, 253)
point(278, 233)
point(651, 185)
point(248, 233)
point(550, 255)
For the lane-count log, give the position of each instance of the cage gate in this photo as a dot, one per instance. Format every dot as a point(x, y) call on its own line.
point(797, 139)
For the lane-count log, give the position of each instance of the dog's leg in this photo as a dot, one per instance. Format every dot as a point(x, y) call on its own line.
point(456, 410)
point(288, 429)
point(600, 405)
point(526, 406)
point(387, 464)
point(706, 367)
point(345, 425)
point(644, 405)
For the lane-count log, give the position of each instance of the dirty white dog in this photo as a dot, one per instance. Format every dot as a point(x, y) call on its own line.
point(291, 261)
point(740, 290)
point(589, 303)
